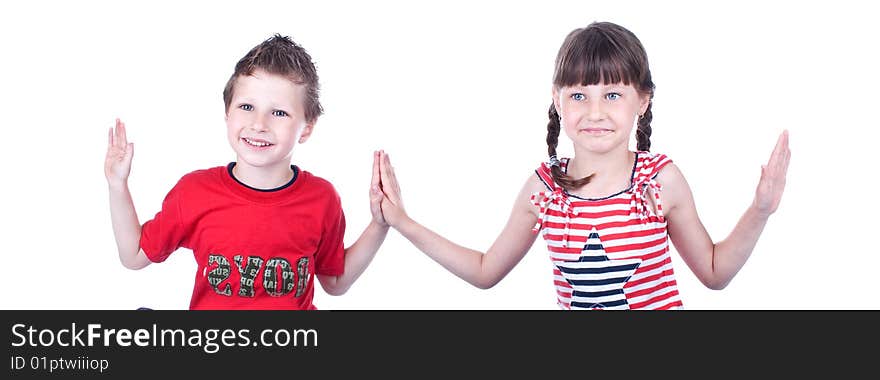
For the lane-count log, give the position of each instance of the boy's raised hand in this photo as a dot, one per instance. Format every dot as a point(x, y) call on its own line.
point(117, 165)
point(392, 203)
point(376, 192)
point(772, 183)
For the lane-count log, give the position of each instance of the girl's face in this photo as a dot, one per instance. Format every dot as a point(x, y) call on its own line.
point(599, 118)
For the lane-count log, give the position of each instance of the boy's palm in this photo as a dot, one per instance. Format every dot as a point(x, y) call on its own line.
point(376, 193)
point(117, 165)
point(392, 203)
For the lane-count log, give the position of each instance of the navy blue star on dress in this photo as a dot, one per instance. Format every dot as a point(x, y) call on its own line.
point(597, 281)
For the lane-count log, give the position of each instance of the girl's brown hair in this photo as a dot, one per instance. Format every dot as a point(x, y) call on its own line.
point(602, 52)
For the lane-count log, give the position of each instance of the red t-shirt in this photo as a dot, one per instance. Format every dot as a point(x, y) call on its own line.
point(255, 249)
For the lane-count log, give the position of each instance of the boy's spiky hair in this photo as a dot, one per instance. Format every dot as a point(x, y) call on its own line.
point(279, 55)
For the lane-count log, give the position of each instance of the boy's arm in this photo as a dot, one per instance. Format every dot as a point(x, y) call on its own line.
point(126, 227)
point(359, 255)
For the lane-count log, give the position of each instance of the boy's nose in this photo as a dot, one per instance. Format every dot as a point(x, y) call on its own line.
point(258, 124)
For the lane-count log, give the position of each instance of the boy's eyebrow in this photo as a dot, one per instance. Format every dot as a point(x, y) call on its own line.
point(248, 100)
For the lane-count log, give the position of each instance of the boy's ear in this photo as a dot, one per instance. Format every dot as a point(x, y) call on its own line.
point(307, 131)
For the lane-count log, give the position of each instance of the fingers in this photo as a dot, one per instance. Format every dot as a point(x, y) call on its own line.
point(389, 182)
point(122, 137)
point(392, 179)
point(117, 135)
point(781, 157)
point(394, 182)
point(391, 176)
point(787, 153)
point(781, 148)
point(383, 171)
point(376, 181)
point(116, 142)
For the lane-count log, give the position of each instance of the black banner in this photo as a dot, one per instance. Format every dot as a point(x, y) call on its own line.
point(229, 344)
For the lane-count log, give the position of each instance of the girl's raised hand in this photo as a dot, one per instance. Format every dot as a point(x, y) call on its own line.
point(772, 183)
point(392, 203)
point(117, 165)
point(376, 195)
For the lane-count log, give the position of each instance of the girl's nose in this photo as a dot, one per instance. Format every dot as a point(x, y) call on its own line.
point(595, 111)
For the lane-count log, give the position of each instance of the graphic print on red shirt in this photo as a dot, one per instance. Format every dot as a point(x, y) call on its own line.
point(255, 249)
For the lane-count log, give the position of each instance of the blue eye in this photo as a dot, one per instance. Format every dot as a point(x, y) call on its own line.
point(246, 107)
point(612, 96)
point(578, 96)
point(279, 113)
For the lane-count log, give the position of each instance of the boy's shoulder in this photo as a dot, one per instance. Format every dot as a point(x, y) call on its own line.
point(200, 176)
point(219, 177)
point(312, 180)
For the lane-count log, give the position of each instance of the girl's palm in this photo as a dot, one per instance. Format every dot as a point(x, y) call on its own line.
point(772, 183)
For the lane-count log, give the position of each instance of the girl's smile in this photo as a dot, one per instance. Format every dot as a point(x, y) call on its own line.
point(596, 131)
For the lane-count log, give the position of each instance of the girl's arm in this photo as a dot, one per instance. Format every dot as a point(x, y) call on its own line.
point(359, 255)
point(715, 264)
point(126, 227)
point(482, 270)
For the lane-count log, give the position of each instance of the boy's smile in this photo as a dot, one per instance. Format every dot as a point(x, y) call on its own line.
point(257, 143)
point(265, 120)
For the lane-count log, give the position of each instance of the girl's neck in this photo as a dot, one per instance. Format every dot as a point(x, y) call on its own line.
point(263, 177)
point(611, 170)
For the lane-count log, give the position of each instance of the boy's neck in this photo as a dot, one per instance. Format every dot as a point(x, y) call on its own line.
point(263, 177)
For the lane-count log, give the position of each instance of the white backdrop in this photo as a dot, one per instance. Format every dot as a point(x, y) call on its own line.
point(457, 93)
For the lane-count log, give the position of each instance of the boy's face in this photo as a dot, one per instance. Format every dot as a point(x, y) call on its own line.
point(266, 119)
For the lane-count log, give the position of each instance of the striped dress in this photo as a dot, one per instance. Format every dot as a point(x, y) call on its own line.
point(611, 252)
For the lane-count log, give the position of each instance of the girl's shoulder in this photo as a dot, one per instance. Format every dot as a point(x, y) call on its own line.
point(543, 176)
point(649, 164)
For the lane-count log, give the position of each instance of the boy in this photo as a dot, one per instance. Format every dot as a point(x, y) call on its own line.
point(260, 228)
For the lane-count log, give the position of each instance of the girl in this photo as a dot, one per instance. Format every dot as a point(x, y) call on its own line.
point(600, 212)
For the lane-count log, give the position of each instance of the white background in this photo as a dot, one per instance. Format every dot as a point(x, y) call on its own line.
point(457, 93)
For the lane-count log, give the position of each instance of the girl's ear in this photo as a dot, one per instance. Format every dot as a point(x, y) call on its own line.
point(555, 94)
point(644, 102)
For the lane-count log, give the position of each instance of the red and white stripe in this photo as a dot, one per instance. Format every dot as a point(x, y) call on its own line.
point(629, 227)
